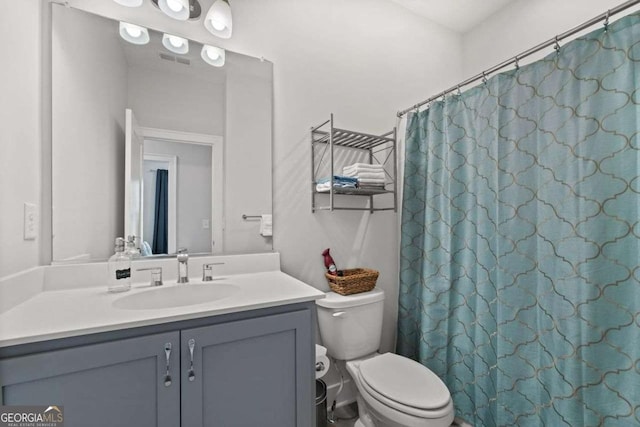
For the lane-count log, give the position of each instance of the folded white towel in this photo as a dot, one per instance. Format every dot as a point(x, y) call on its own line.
point(371, 181)
point(368, 175)
point(362, 167)
point(266, 225)
point(326, 186)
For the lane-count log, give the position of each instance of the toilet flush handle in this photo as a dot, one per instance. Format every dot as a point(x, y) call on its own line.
point(339, 314)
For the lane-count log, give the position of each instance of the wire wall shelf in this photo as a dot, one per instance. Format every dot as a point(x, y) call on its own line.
point(330, 142)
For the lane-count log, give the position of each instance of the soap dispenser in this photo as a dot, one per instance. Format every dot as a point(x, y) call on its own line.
point(131, 248)
point(119, 266)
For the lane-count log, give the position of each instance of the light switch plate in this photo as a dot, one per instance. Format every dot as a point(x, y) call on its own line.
point(30, 221)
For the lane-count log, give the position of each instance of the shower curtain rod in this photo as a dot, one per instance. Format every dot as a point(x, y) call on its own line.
point(554, 41)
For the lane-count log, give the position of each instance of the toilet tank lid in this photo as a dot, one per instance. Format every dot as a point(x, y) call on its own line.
point(334, 300)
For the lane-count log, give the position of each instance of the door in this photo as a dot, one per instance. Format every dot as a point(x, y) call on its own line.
point(255, 372)
point(119, 383)
point(134, 144)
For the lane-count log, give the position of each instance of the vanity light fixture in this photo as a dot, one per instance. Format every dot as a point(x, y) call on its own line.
point(129, 3)
point(175, 44)
point(134, 33)
point(176, 9)
point(213, 55)
point(218, 20)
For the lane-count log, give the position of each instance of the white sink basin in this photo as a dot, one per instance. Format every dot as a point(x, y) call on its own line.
point(176, 296)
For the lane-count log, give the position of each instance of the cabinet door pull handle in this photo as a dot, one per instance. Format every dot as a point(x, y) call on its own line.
point(167, 353)
point(191, 374)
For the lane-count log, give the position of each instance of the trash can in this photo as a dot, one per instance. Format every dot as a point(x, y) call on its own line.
point(321, 404)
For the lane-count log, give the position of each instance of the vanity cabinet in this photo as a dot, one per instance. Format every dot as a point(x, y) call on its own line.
point(101, 385)
point(243, 371)
point(247, 373)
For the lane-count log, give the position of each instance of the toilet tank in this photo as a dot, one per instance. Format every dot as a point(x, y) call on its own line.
point(351, 325)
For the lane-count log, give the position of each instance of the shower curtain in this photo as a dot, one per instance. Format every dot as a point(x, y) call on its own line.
point(520, 254)
point(161, 215)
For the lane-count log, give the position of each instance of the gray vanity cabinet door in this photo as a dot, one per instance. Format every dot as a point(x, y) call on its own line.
point(118, 383)
point(255, 372)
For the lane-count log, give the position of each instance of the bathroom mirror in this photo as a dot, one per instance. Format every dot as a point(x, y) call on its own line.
point(121, 112)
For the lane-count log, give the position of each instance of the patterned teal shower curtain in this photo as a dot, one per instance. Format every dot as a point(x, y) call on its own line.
point(520, 253)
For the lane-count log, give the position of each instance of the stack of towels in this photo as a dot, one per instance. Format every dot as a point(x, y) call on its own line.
point(339, 181)
point(368, 176)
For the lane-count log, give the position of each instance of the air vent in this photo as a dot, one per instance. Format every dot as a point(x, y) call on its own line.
point(167, 57)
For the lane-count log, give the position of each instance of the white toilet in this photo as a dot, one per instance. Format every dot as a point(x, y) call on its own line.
point(393, 391)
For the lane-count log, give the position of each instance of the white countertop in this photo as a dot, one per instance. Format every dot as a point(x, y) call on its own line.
point(53, 314)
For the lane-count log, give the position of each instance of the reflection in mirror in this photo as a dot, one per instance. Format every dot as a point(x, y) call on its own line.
point(180, 176)
point(123, 114)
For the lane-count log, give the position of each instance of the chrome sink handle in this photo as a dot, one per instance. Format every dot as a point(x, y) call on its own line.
point(191, 373)
point(156, 275)
point(207, 271)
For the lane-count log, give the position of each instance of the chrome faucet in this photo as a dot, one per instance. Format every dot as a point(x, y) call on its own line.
point(183, 265)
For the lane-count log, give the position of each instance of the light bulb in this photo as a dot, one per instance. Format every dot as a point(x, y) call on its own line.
point(134, 32)
point(175, 44)
point(174, 5)
point(176, 41)
point(213, 55)
point(218, 25)
point(176, 9)
point(218, 20)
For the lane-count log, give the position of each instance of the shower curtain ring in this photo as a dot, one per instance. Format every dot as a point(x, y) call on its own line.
point(517, 63)
point(557, 46)
point(459, 92)
point(606, 21)
point(484, 77)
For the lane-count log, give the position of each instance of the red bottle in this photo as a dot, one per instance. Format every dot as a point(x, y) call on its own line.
point(329, 263)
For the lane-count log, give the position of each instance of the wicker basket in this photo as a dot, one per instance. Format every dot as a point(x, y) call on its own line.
point(353, 281)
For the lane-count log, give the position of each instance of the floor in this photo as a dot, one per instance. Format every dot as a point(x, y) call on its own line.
point(343, 421)
point(345, 416)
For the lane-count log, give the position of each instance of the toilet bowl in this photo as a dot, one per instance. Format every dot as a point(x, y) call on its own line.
point(392, 390)
point(397, 392)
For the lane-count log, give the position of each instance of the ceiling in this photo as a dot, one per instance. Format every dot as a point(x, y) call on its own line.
point(457, 15)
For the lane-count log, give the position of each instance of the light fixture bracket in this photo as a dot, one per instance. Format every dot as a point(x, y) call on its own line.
point(195, 10)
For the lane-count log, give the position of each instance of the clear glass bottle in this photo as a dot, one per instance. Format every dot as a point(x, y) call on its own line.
point(130, 248)
point(119, 266)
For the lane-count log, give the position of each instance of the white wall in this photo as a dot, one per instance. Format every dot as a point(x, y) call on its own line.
point(20, 85)
point(523, 25)
point(247, 153)
point(151, 88)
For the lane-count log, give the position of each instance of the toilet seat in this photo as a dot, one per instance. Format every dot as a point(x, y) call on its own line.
point(404, 385)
